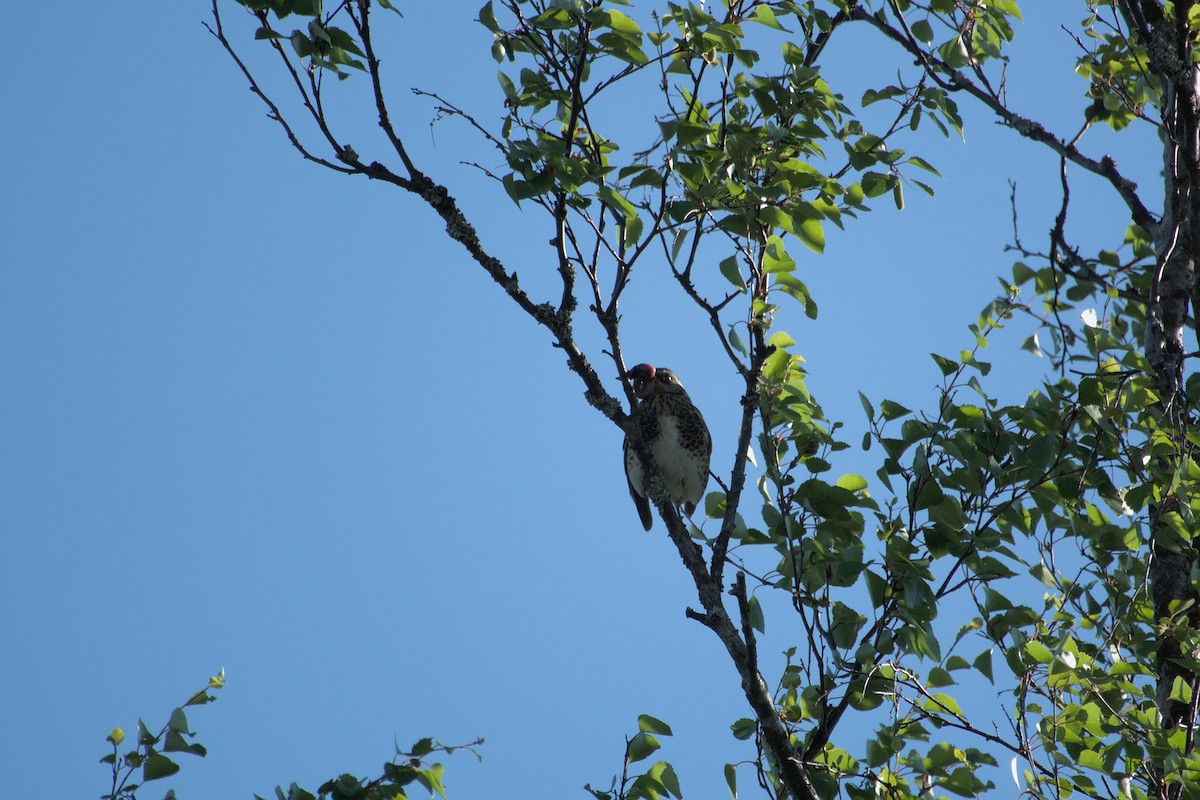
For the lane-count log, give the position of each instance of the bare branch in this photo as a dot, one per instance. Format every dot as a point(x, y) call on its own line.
point(362, 23)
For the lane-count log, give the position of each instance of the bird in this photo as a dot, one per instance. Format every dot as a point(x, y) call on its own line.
point(674, 431)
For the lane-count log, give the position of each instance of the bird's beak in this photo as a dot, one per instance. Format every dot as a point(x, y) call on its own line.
point(642, 375)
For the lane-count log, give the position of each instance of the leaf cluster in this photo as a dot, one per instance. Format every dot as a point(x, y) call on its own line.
point(407, 768)
point(148, 756)
point(658, 781)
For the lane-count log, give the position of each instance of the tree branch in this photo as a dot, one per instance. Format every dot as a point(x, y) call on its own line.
point(218, 33)
point(954, 80)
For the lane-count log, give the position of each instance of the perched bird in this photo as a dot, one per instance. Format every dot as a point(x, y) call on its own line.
point(676, 435)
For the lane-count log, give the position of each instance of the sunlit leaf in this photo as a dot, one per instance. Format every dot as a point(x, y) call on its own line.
point(649, 724)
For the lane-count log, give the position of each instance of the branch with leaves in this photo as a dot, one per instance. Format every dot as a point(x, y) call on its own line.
point(149, 753)
point(747, 157)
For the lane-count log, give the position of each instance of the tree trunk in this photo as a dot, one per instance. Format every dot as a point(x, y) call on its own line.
point(1172, 288)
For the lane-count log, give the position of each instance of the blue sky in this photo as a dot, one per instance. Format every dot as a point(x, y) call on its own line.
point(264, 418)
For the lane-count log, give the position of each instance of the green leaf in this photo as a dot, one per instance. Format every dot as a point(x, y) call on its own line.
point(775, 257)
point(714, 505)
point(781, 340)
point(622, 24)
point(923, 31)
point(729, 268)
point(648, 787)
point(431, 779)
point(947, 366)
point(846, 624)
point(1090, 759)
point(633, 231)
point(938, 677)
point(1038, 652)
point(401, 774)
point(506, 84)
point(641, 746)
point(877, 588)
point(874, 184)
point(649, 724)
point(943, 703)
point(892, 410)
point(924, 187)
point(796, 289)
point(617, 202)
point(487, 18)
point(664, 773)
point(344, 41)
point(852, 483)
point(731, 779)
point(812, 234)
point(518, 190)
point(756, 615)
point(175, 743)
point(744, 728)
point(144, 735)
point(554, 18)
point(983, 664)
point(345, 785)
point(178, 721)
point(954, 53)
point(793, 56)
point(318, 32)
point(867, 407)
point(688, 133)
point(158, 766)
point(765, 15)
point(735, 341)
point(957, 662)
point(923, 164)
point(817, 465)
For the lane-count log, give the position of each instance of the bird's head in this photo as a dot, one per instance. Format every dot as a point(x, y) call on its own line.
point(648, 380)
point(642, 377)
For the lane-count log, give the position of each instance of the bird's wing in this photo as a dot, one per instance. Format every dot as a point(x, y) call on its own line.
point(643, 505)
